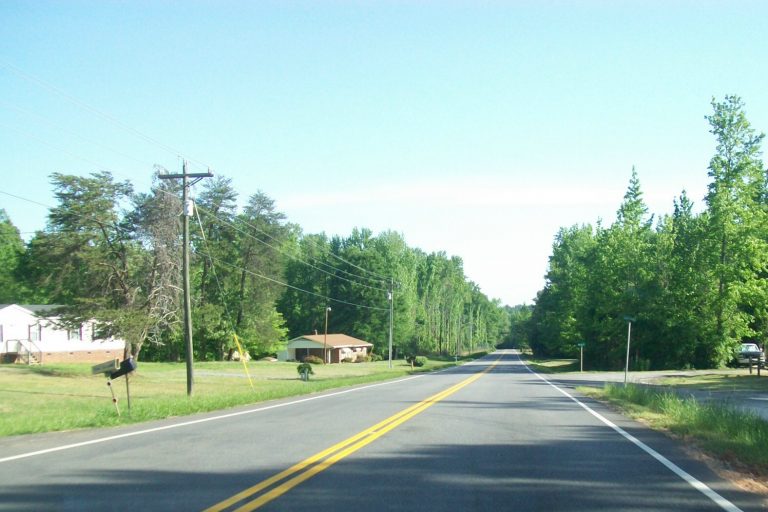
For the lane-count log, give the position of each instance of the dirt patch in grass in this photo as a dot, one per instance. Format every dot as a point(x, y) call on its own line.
point(742, 477)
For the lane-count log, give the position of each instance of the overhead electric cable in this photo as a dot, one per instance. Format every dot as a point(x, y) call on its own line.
point(337, 269)
point(111, 119)
point(26, 199)
point(233, 226)
point(93, 110)
point(276, 281)
point(379, 277)
point(42, 119)
point(99, 166)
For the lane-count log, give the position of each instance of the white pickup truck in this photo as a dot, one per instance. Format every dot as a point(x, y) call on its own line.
point(750, 351)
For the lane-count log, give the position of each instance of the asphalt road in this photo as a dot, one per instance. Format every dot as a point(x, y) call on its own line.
point(489, 435)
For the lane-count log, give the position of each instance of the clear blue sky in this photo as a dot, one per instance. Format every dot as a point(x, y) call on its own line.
point(478, 128)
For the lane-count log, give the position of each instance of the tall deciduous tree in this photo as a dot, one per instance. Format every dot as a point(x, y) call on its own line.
point(262, 238)
point(737, 227)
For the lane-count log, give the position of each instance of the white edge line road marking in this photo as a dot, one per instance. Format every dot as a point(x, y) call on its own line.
point(202, 420)
point(690, 479)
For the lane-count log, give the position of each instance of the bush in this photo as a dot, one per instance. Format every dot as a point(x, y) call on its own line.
point(313, 360)
point(305, 370)
point(415, 360)
point(349, 360)
point(375, 357)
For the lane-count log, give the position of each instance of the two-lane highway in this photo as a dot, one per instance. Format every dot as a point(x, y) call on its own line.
point(489, 435)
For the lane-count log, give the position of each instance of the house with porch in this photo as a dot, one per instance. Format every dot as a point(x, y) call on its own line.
point(331, 348)
point(30, 334)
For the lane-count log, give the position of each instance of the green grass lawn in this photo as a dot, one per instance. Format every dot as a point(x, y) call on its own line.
point(65, 397)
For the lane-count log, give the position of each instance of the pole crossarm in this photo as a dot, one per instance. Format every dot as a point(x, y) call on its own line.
point(208, 174)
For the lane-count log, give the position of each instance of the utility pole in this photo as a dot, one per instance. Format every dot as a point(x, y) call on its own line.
point(325, 336)
point(188, 209)
point(391, 307)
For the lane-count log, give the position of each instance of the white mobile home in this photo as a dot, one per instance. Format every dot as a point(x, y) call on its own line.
point(29, 335)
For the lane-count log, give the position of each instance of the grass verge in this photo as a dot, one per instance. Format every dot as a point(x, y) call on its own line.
point(737, 437)
point(720, 381)
point(48, 398)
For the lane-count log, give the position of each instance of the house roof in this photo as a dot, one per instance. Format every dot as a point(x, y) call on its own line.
point(34, 308)
point(335, 340)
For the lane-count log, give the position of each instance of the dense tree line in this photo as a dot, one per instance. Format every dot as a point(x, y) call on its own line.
point(110, 253)
point(694, 283)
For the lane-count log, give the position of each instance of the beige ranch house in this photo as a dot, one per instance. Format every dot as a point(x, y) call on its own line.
point(332, 349)
point(29, 334)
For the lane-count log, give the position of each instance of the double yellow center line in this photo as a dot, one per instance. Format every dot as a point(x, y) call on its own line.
point(279, 484)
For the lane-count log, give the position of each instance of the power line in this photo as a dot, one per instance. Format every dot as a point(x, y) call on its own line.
point(26, 199)
point(52, 146)
point(245, 233)
point(233, 226)
point(276, 281)
point(111, 119)
point(379, 277)
point(268, 235)
point(58, 127)
point(331, 253)
point(235, 267)
point(93, 110)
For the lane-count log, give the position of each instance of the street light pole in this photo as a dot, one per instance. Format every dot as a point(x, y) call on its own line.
point(391, 306)
point(629, 319)
point(325, 337)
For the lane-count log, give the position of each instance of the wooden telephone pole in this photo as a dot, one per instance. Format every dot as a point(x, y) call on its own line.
point(188, 209)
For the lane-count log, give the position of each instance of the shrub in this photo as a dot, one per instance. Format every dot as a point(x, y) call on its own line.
point(416, 360)
point(349, 360)
point(305, 370)
point(313, 360)
point(375, 357)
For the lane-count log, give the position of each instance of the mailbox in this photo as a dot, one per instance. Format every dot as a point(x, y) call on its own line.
point(126, 367)
point(107, 367)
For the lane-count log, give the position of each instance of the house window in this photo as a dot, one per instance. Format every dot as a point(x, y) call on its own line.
point(75, 334)
point(35, 332)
